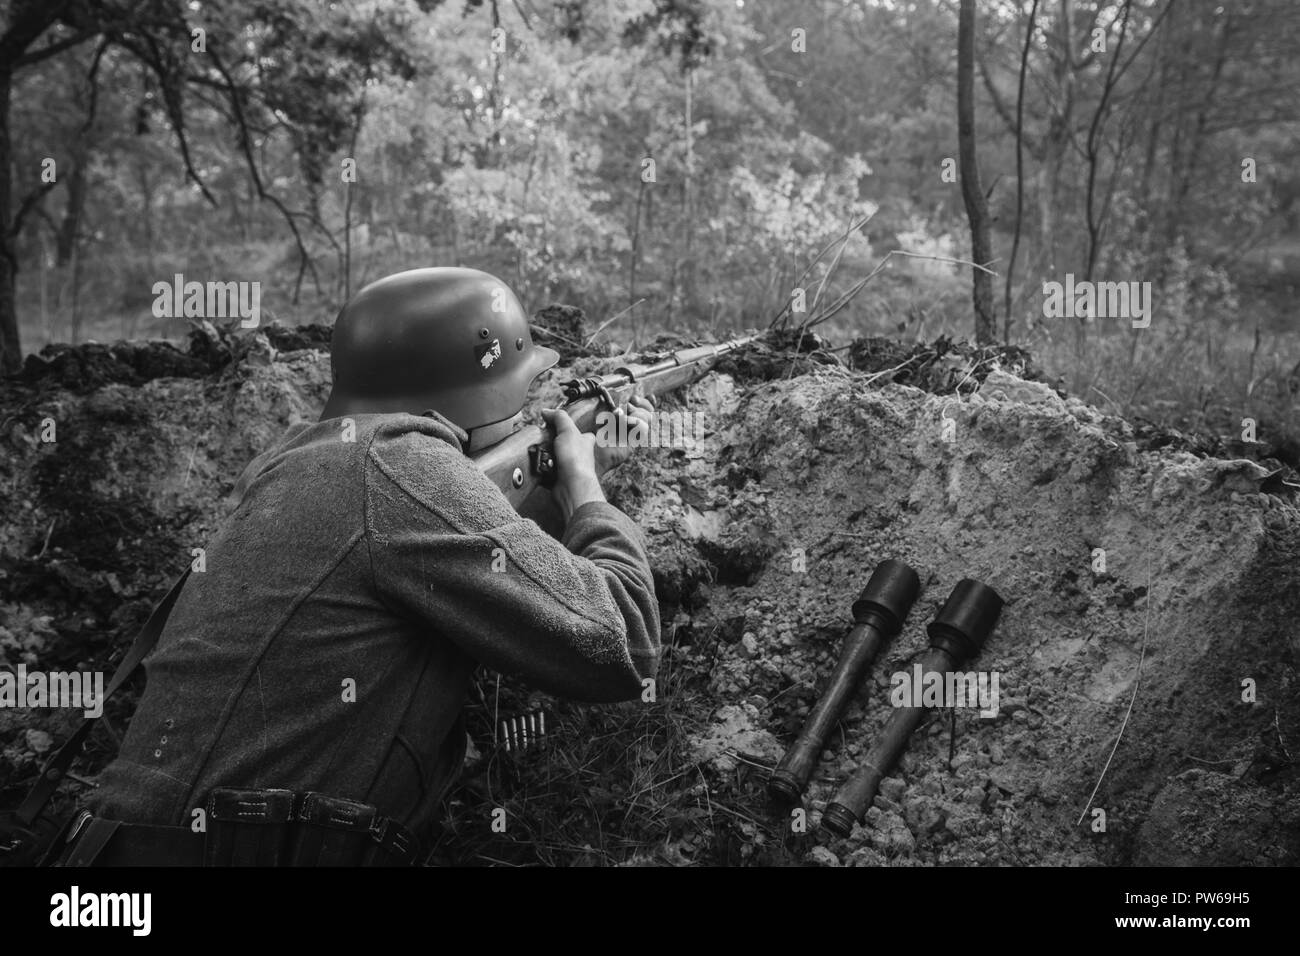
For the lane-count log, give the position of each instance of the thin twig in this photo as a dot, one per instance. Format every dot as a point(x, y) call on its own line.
point(753, 763)
point(848, 296)
point(190, 467)
point(960, 262)
point(843, 300)
point(839, 254)
point(1113, 403)
point(655, 786)
point(804, 326)
point(557, 335)
point(816, 259)
point(707, 801)
point(1137, 681)
point(613, 318)
point(1212, 763)
point(969, 372)
point(890, 371)
point(48, 533)
point(496, 711)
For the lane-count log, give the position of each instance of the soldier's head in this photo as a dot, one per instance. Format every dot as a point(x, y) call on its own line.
point(452, 340)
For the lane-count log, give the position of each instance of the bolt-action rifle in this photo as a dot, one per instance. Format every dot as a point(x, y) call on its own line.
point(520, 464)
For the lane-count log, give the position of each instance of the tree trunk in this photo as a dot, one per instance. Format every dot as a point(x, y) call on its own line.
point(10, 348)
point(1057, 141)
point(977, 209)
point(146, 215)
point(71, 223)
point(636, 246)
point(1020, 165)
point(688, 211)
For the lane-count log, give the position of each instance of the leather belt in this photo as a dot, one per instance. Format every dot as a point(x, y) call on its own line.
point(99, 842)
point(249, 828)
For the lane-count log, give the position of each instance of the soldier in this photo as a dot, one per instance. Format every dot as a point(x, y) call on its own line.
point(303, 705)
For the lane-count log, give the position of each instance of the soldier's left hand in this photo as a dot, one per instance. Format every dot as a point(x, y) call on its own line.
point(638, 412)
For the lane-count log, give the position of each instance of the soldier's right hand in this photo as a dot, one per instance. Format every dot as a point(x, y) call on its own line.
point(576, 479)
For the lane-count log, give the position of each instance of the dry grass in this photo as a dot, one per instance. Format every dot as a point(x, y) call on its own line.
point(611, 785)
point(1201, 378)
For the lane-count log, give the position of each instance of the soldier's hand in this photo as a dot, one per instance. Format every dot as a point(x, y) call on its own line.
point(612, 454)
point(576, 481)
point(580, 460)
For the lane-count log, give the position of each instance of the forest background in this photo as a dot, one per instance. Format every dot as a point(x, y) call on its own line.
point(678, 165)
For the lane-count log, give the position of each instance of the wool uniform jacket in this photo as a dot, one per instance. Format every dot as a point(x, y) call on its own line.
point(329, 643)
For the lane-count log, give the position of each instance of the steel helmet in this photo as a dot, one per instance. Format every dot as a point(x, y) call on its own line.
point(448, 339)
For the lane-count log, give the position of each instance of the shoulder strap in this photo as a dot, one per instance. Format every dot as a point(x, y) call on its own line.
point(52, 775)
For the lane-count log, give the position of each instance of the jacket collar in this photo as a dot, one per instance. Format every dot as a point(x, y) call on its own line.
point(447, 430)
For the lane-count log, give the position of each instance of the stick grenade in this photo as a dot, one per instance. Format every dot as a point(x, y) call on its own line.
point(878, 614)
point(958, 632)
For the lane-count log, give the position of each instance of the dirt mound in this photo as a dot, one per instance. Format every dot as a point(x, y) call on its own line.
point(211, 348)
point(1138, 576)
point(803, 486)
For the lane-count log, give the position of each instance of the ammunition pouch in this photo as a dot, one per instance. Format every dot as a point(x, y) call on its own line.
point(250, 828)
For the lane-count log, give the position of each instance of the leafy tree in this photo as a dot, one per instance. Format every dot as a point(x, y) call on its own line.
point(287, 64)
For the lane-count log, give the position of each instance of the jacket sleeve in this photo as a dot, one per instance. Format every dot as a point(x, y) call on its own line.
point(576, 617)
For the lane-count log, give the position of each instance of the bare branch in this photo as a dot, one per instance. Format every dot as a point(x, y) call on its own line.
point(150, 54)
point(1098, 117)
point(52, 49)
point(305, 262)
point(999, 105)
point(30, 201)
point(28, 23)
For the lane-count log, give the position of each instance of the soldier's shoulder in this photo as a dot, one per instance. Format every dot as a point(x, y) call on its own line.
point(412, 436)
point(423, 459)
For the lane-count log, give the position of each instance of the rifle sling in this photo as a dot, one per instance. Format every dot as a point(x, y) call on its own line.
point(57, 766)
